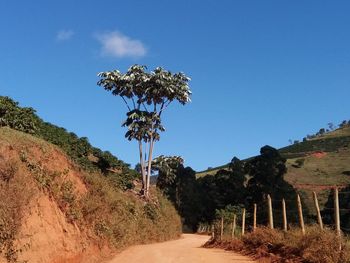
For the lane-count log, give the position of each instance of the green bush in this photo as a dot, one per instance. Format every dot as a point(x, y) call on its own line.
point(21, 119)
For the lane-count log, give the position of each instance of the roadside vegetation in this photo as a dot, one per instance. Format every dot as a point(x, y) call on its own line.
point(267, 245)
point(95, 191)
point(79, 149)
point(117, 207)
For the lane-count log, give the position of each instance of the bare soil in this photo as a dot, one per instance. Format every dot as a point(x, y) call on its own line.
point(187, 249)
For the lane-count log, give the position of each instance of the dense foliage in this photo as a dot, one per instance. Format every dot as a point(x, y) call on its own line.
point(224, 188)
point(78, 149)
point(179, 184)
point(22, 119)
point(244, 183)
point(266, 173)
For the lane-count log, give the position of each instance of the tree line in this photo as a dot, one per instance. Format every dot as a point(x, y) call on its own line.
point(79, 149)
point(322, 131)
point(201, 200)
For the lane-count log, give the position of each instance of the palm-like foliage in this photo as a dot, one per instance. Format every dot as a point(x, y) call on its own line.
point(146, 95)
point(139, 124)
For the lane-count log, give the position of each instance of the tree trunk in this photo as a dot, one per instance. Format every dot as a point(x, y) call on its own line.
point(149, 166)
point(142, 169)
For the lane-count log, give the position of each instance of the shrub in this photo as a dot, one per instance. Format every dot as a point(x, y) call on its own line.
point(315, 246)
point(299, 163)
point(323, 247)
point(124, 219)
point(22, 119)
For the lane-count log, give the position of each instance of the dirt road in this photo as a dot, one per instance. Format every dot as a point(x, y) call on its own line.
point(184, 250)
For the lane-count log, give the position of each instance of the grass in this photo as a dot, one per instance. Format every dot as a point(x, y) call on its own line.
point(327, 170)
point(209, 172)
point(341, 132)
point(266, 245)
point(122, 219)
point(15, 194)
point(109, 215)
point(315, 173)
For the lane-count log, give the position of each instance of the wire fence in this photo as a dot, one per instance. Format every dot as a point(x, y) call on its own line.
point(281, 213)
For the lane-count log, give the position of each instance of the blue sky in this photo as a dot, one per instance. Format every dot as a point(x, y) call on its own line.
point(262, 72)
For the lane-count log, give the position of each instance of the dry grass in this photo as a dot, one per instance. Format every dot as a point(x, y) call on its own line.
point(108, 215)
point(15, 194)
point(124, 219)
point(327, 170)
point(268, 245)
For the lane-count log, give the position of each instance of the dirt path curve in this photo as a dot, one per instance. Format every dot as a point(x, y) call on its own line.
point(187, 249)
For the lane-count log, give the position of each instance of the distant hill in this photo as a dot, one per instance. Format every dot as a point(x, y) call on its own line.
point(317, 164)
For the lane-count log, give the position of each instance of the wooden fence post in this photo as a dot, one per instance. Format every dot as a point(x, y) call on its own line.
point(319, 218)
point(269, 203)
point(233, 227)
point(284, 215)
point(212, 231)
point(254, 218)
point(243, 221)
point(300, 212)
point(336, 212)
point(222, 227)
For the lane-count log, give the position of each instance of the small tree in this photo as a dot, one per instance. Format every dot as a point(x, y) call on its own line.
point(343, 124)
point(167, 167)
point(146, 95)
point(322, 131)
point(331, 126)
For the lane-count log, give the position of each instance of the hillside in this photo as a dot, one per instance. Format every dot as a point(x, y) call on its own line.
point(53, 210)
point(317, 164)
point(77, 148)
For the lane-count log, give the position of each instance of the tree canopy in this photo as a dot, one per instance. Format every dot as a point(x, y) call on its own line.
point(146, 95)
point(22, 119)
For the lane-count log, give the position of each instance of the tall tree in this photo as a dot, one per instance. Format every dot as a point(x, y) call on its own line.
point(146, 95)
point(266, 172)
point(224, 188)
point(266, 176)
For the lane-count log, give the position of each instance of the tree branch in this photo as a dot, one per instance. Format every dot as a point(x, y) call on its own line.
point(164, 106)
point(127, 105)
point(133, 102)
point(145, 106)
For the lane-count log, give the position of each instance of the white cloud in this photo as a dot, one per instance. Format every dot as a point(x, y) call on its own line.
point(116, 44)
point(64, 35)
